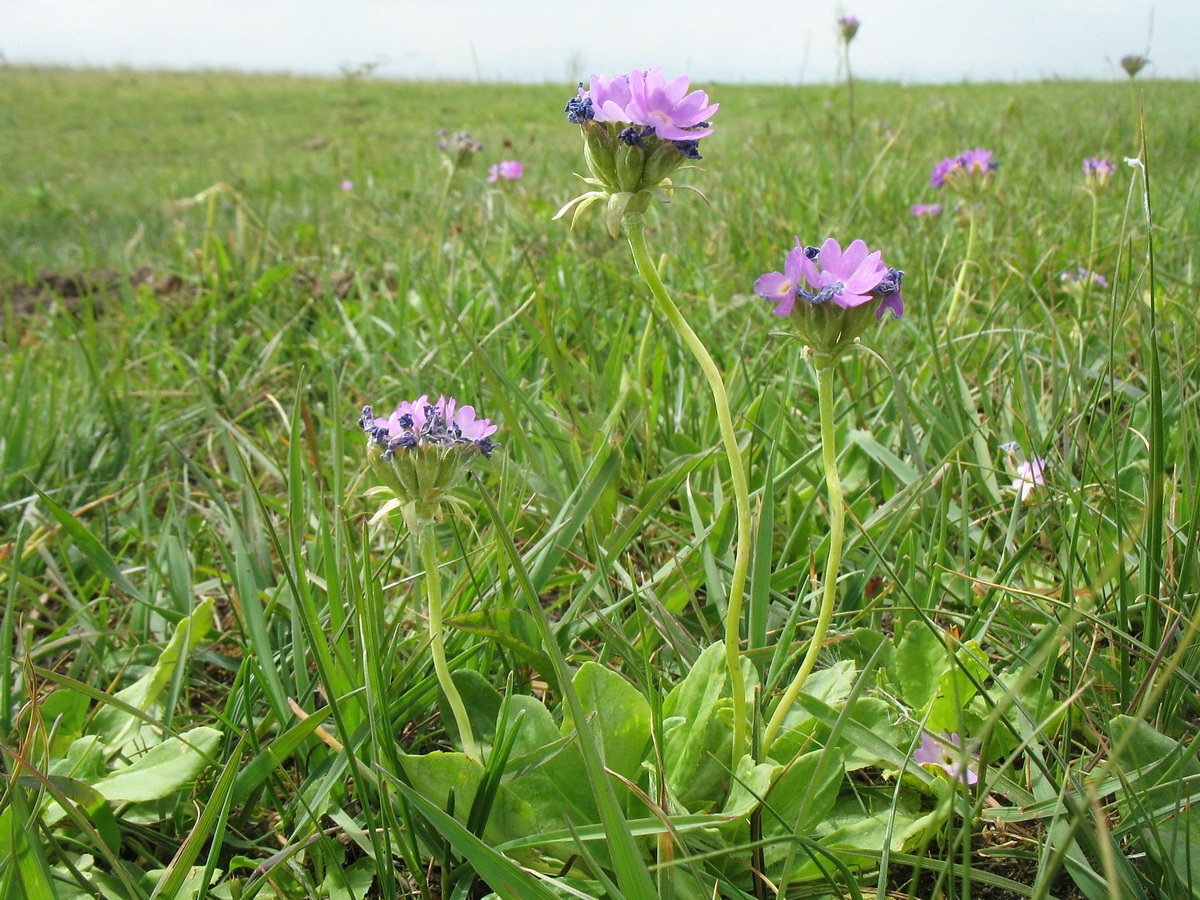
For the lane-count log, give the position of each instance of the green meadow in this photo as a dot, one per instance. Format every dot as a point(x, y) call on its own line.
point(217, 672)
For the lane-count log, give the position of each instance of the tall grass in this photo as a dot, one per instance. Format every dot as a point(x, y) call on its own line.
point(187, 440)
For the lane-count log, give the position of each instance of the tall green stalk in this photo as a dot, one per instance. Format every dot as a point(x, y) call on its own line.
point(825, 369)
point(433, 590)
point(634, 226)
point(966, 263)
point(1091, 257)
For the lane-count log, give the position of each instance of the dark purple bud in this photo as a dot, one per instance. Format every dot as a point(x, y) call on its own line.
point(631, 136)
point(579, 110)
point(812, 252)
point(890, 283)
point(690, 149)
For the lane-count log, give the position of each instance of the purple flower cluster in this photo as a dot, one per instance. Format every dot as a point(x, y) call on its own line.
point(459, 149)
point(848, 27)
point(975, 163)
point(645, 100)
point(819, 275)
point(419, 425)
point(1083, 276)
point(1098, 171)
point(924, 210)
point(1095, 166)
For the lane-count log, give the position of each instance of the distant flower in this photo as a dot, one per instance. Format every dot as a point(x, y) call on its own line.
point(422, 451)
point(969, 168)
point(459, 149)
point(1030, 474)
point(509, 169)
point(1133, 63)
point(1097, 172)
point(848, 26)
point(921, 210)
point(829, 293)
point(638, 129)
point(945, 751)
point(347, 185)
point(1083, 277)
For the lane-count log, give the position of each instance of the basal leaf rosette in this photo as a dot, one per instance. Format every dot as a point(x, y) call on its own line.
point(831, 296)
point(638, 129)
point(422, 452)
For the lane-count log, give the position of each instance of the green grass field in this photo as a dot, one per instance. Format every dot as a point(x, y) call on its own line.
point(218, 676)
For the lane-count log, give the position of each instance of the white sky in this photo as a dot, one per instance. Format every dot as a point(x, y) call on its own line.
point(786, 41)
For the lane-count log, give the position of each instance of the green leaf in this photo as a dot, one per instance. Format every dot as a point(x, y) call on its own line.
point(351, 883)
point(514, 629)
point(437, 774)
point(622, 713)
point(163, 770)
point(691, 703)
point(115, 725)
point(919, 663)
point(831, 686)
point(502, 875)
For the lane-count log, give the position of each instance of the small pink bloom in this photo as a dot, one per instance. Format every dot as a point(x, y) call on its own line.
point(1030, 474)
point(509, 170)
point(945, 751)
point(347, 185)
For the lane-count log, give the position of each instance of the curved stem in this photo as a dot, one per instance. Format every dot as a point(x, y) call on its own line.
point(833, 483)
point(433, 589)
point(635, 231)
point(962, 272)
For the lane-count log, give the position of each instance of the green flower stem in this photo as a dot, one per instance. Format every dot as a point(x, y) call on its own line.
point(966, 263)
point(440, 228)
point(825, 369)
point(1091, 257)
point(433, 587)
point(634, 226)
point(849, 91)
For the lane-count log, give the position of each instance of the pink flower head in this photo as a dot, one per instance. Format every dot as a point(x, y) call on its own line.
point(846, 278)
point(646, 98)
point(420, 423)
point(1097, 172)
point(921, 210)
point(977, 163)
point(945, 751)
point(509, 169)
point(820, 274)
point(1096, 166)
point(667, 107)
point(848, 26)
point(1030, 474)
point(609, 97)
point(347, 185)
